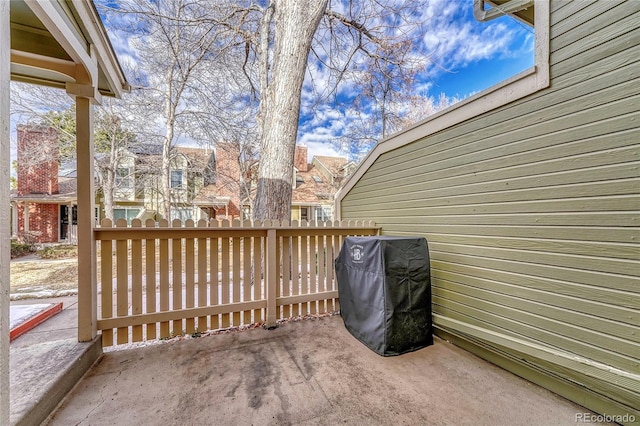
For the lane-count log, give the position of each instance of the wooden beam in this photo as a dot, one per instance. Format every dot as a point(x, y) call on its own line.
point(67, 68)
point(304, 298)
point(106, 234)
point(87, 280)
point(133, 320)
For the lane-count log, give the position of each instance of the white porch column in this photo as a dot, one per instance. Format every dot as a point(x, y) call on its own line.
point(87, 280)
point(5, 232)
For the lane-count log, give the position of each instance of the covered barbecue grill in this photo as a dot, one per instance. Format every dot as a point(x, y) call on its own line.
point(384, 287)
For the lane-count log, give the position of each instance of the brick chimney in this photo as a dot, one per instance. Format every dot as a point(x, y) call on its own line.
point(300, 161)
point(227, 176)
point(37, 160)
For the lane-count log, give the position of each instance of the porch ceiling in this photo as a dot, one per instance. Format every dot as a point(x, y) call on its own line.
point(60, 42)
point(525, 15)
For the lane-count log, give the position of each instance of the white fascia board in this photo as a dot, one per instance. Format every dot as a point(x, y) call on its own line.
point(510, 90)
point(103, 49)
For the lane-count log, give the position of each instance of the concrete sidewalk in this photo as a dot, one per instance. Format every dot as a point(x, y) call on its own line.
point(307, 372)
point(46, 362)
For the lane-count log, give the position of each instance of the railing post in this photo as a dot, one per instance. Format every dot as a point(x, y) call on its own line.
point(271, 278)
point(87, 279)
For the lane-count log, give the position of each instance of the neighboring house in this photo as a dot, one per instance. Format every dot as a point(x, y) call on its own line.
point(205, 184)
point(138, 183)
point(44, 203)
point(221, 194)
point(528, 194)
point(44, 206)
point(315, 185)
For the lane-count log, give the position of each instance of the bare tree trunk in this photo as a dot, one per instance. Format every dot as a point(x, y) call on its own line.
point(108, 186)
point(108, 189)
point(295, 24)
point(165, 188)
point(169, 115)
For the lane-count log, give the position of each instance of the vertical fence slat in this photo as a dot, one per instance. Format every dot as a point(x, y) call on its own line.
point(122, 283)
point(246, 272)
point(214, 277)
point(136, 281)
point(286, 274)
point(304, 268)
point(226, 320)
point(189, 252)
point(295, 269)
point(176, 283)
point(236, 273)
point(202, 276)
point(313, 268)
point(106, 283)
point(150, 278)
point(322, 265)
point(164, 279)
point(257, 276)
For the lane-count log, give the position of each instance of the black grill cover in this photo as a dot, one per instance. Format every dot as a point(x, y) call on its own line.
point(384, 287)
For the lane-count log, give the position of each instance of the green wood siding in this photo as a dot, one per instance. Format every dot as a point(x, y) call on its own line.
point(532, 215)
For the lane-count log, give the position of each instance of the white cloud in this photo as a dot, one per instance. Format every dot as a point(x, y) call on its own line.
point(319, 147)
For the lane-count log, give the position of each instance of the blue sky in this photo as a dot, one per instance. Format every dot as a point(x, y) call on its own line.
point(466, 57)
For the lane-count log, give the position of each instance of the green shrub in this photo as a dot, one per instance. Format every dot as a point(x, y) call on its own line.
point(19, 249)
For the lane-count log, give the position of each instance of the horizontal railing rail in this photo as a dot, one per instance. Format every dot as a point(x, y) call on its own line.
point(158, 281)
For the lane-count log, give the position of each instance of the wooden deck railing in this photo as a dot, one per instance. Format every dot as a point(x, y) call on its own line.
point(157, 281)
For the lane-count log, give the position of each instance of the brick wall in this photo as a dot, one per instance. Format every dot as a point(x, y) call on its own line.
point(37, 160)
point(228, 177)
point(43, 223)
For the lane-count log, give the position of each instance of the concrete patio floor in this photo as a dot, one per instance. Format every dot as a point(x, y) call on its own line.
point(309, 372)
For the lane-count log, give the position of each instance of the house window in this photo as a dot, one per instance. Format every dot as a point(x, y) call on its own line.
point(317, 179)
point(123, 177)
point(125, 213)
point(304, 213)
point(176, 179)
point(323, 214)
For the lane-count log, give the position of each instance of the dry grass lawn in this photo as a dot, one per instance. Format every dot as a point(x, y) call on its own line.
point(34, 275)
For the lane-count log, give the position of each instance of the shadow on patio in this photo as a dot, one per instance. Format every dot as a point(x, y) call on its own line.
point(305, 372)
